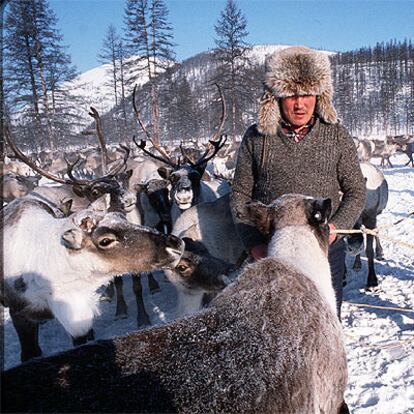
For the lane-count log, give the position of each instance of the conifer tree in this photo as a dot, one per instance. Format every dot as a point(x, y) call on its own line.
point(148, 38)
point(36, 66)
point(234, 63)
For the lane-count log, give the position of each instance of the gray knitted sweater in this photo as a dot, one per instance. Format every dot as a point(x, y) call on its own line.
point(322, 164)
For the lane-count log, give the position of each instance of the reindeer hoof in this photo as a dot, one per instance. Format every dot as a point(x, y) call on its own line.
point(371, 287)
point(120, 316)
point(380, 257)
point(143, 322)
point(105, 298)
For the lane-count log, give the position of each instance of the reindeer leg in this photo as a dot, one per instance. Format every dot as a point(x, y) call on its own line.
point(153, 285)
point(357, 263)
point(108, 294)
point(121, 306)
point(142, 317)
point(80, 340)
point(379, 252)
point(28, 333)
point(372, 280)
point(344, 408)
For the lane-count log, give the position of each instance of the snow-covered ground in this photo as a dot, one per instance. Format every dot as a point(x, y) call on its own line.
point(380, 342)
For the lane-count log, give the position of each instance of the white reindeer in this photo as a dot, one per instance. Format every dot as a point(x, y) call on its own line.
point(54, 264)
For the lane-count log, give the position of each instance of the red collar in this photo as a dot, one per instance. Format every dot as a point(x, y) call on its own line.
point(299, 135)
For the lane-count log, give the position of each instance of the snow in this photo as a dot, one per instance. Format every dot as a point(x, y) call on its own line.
point(379, 342)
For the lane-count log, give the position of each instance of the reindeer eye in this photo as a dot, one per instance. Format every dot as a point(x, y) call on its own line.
point(181, 268)
point(105, 242)
point(95, 192)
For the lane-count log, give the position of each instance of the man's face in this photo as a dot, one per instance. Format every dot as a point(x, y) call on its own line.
point(298, 110)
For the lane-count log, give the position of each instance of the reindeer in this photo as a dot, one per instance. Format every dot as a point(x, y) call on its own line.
point(406, 145)
point(82, 192)
point(375, 202)
point(188, 188)
point(368, 149)
point(16, 186)
point(269, 343)
point(80, 253)
point(197, 274)
point(212, 224)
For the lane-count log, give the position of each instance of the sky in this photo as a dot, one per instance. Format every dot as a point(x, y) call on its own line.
point(332, 25)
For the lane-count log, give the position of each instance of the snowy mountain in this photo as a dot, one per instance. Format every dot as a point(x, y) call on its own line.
point(94, 86)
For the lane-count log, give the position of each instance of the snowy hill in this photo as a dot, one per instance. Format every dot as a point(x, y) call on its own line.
point(94, 86)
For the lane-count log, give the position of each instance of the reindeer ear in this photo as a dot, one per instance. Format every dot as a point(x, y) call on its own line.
point(72, 239)
point(66, 206)
point(140, 187)
point(258, 214)
point(102, 204)
point(165, 172)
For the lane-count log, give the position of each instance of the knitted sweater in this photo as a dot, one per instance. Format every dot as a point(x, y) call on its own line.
point(323, 164)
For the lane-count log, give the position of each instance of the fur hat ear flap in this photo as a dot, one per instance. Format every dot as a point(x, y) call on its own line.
point(325, 109)
point(269, 114)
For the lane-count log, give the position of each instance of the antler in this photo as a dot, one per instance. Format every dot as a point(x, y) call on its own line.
point(47, 174)
point(142, 125)
point(223, 114)
point(99, 132)
point(217, 145)
point(19, 154)
point(213, 143)
point(142, 146)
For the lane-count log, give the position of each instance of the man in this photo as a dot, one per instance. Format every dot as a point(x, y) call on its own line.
point(298, 146)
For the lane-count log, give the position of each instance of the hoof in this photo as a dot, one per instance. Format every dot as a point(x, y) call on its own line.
point(105, 298)
point(380, 258)
point(120, 316)
point(143, 323)
point(370, 288)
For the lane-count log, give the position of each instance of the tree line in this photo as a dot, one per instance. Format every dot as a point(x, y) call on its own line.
point(374, 87)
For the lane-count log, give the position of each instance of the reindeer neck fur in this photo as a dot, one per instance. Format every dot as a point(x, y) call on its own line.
point(298, 247)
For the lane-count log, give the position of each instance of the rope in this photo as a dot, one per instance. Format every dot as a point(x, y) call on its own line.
point(376, 232)
point(364, 305)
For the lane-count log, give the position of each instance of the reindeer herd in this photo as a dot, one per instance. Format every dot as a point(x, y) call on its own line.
point(76, 222)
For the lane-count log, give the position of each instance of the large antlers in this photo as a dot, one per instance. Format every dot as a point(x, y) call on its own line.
point(223, 114)
point(213, 143)
point(72, 180)
point(166, 158)
point(99, 132)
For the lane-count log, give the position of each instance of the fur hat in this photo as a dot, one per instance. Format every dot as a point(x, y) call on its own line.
point(296, 70)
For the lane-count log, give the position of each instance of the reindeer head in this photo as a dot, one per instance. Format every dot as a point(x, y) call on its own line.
point(109, 244)
point(293, 210)
point(185, 177)
point(198, 270)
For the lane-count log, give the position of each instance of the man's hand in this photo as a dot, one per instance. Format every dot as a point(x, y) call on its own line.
point(259, 251)
point(332, 236)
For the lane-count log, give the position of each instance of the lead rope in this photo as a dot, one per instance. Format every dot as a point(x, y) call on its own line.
point(377, 232)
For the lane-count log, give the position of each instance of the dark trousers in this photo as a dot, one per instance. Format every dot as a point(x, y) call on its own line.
point(336, 257)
